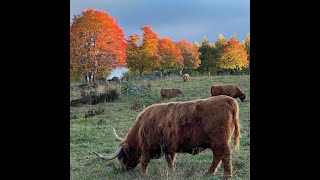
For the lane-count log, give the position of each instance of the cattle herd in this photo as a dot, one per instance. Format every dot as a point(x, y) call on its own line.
point(183, 127)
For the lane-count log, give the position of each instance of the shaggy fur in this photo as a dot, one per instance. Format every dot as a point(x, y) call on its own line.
point(183, 127)
point(185, 77)
point(170, 93)
point(229, 90)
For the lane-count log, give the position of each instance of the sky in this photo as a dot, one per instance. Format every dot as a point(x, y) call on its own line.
point(177, 19)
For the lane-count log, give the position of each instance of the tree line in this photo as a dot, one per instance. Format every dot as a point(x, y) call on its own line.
point(98, 44)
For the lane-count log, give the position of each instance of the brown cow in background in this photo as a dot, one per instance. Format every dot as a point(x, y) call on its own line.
point(170, 93)
point(182, 127)
point(185, 77)
point(229, 90)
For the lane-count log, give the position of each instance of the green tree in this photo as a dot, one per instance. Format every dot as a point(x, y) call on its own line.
point(208, 56)
point(135, 62)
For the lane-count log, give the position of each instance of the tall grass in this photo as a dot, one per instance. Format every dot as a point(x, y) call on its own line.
point(95, 133)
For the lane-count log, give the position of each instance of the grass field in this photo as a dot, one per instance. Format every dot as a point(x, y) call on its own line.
point(95, 133)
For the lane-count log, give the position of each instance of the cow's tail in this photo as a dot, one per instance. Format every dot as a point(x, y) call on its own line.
point(235, 118)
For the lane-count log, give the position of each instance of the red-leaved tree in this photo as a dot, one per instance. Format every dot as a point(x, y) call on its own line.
point(189, 54)
point(96, 43)
point(171, 57)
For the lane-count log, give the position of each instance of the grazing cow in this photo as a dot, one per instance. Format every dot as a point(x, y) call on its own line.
point(170, 93)
point(182, 127)
point(229, 90)
point(185, 77)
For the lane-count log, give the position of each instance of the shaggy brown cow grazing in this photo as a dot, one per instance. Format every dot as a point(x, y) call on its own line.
point(186, 77)
point(229, 90)
point(182, 127)
point(170, 93)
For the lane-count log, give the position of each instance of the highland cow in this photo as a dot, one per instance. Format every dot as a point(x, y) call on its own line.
point(181, 127)
point(170, 93)
point(229, 90)
point(185, 77)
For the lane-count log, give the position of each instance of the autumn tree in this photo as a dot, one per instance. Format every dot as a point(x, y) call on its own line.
point(246, 45)
point(96, 42)
point(208, 56)
point(220, 42)
point(233, 55)
point(143, 57)
point(189, 54)
point(134, 53)
point(196, 45)
point(170, 55)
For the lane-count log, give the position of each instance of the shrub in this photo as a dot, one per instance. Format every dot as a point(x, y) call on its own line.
point(93, 112)
point(130, 74)
point(93, 99)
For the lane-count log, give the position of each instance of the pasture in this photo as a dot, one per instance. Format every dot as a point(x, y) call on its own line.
point(95, 133)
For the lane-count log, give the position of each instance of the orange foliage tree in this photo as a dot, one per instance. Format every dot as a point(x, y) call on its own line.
point(170, 54)
point(96, 42)
point(233, 56)
point(189, 54)
point(143, 57)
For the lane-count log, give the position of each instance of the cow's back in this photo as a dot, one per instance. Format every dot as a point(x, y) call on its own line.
point(181, 126)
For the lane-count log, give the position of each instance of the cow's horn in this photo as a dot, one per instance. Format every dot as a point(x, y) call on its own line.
point(110, 157)
point(115, 134)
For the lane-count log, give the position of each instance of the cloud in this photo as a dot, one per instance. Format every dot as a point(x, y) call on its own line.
point(179, 19)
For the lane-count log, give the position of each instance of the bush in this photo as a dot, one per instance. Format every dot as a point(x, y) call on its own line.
point(93, 99)
point(191, 72)
point(130, 74)
point(245, 71)
point(76, 79)
point(93, 112)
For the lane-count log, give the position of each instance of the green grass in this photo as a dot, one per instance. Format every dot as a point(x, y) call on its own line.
point(95, 133)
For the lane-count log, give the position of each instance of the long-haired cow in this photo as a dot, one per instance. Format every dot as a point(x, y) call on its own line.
point(182, 127)
point(229, 90)
point(170, 93)
point(185, 77)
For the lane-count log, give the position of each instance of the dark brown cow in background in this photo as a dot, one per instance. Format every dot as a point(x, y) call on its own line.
point(182, 127)
point(170, 93)
point(229, 90)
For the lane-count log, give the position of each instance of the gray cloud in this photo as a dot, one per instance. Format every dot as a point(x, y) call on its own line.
point(179, 19)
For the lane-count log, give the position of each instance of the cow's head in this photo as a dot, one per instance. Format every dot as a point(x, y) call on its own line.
point(179, 93)
point(128, 156)
point(242, 97)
